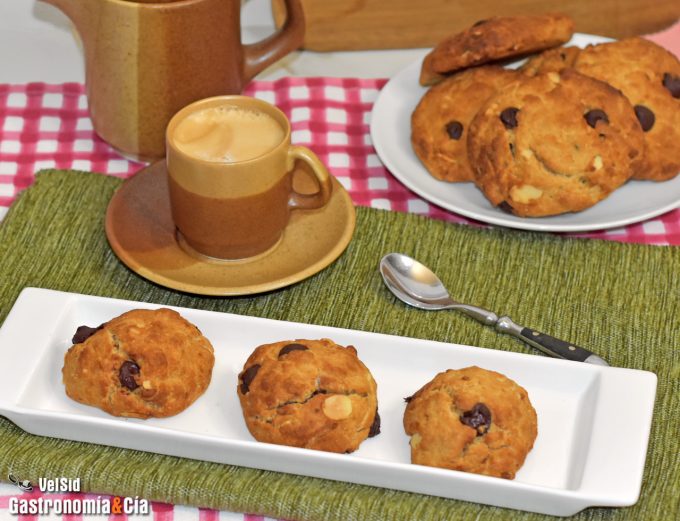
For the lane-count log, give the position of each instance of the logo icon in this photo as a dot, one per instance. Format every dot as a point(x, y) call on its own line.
point(24, 485)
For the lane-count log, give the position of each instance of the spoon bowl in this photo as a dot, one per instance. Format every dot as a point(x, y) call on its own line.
point(416, 285)
point(413, 280)
point(404, 277)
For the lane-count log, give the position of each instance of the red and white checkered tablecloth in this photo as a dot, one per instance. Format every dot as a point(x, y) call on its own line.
point(47, 126)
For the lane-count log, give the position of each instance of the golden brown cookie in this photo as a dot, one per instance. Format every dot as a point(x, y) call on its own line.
point(554, 143)
point(427, 75)
point(309, 393)
point(440, 122)
point(144, 363)
point(499, 38)
point(552, 60)
point(472, 420)
point(650, 77)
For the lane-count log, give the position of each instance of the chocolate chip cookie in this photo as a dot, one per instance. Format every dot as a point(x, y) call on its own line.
point(554, 143)
point(649, 76)
point(144, 363)
point(496, 39)
point(309, 393)
point(427, 75)
point(440, 122)
point(552, 60)
point(472, 420)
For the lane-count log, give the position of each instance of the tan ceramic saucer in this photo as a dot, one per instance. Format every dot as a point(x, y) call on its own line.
point(141, 233)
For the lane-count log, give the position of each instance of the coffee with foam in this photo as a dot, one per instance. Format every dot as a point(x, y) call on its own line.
point(230, 168)
point(227, 134)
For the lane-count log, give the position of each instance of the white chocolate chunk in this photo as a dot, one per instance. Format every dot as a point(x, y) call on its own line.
point(597, 162)
point(525, 193)
point(337, 407)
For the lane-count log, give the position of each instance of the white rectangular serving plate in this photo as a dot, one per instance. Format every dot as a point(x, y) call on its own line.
point(593, 422)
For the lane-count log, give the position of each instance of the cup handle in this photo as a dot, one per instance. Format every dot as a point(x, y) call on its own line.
point(289, 37)
point(320, 198)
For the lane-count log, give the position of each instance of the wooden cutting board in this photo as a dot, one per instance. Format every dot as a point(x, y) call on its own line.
point(384, 24)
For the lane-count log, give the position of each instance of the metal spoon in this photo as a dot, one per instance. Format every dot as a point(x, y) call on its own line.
point(416, 285)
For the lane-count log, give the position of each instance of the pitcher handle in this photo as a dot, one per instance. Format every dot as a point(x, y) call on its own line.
point(289, 37)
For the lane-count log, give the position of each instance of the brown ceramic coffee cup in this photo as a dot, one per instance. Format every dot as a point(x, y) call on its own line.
point(230, 164)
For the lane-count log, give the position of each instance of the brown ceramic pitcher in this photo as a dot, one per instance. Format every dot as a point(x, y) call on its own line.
point(145, 60)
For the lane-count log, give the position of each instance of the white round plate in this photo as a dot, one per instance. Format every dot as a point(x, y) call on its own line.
point(391, 134)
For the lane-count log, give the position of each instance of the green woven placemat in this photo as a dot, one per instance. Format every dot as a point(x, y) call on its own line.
point(620, 300)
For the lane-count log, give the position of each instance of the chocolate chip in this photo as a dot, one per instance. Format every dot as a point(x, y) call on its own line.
point(479, 22)
point(408, 399)
point(375, 426)
point(595, 115)
point(247, 377)
point(125, 375)
point(505, 207)
point(672, 83)
point(454, 129)
point(292, 347)
point(509, 117)
point(84, 332)
point(645, 117)
point(479, 418)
